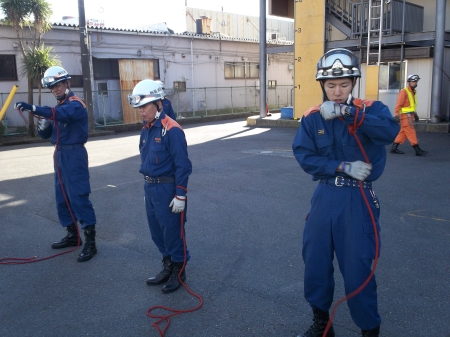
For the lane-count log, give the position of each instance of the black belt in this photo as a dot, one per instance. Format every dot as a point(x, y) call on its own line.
point(346, 182)
point(68, 147)
point(159, 180)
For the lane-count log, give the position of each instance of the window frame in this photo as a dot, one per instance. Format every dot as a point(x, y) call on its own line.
point(179, 86)
point(385, 82)
point(271, 84)
point(232, 67)
point(4, 64)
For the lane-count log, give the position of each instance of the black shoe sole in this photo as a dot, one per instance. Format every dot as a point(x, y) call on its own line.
point(87, 257)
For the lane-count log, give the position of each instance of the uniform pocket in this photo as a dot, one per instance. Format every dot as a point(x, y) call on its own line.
point(324, 145)
point(368, 249)
point(158, 153)
point(80, 184)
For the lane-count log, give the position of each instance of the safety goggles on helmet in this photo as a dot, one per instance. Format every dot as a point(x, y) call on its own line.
point(413, 78)
point(50, 81)
point(135, 99)
point(338, 63)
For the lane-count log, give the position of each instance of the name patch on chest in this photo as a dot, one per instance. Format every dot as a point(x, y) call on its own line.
point(157, 140)
point(321, 132)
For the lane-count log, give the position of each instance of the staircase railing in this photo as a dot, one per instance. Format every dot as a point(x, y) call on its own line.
point(355, 15)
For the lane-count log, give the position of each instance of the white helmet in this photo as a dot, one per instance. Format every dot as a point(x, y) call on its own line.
point(337, 63)
point(144, 92)
point(161, 84)
point(413, 78)
point(54, 75)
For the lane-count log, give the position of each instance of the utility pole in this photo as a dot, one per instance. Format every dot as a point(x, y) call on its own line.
point(85, 64)
point(262, 58)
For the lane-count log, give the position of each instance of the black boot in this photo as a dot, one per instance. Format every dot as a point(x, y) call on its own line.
point(174, 283)
point(70, 240)
point(89, 249)
point(394, 149)
point(164, 274)
point(320, 323)
point(371, 333)
point(419, 151)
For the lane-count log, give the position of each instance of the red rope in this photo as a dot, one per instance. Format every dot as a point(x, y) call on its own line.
point(24, 260)
point(352, 130)
point(174, 312)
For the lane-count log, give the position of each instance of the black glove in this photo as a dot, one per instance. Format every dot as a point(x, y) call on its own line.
point(22, 106)
point(397, 118)
point(416, 117)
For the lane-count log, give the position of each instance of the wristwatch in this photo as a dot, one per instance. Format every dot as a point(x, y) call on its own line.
point(348, 112)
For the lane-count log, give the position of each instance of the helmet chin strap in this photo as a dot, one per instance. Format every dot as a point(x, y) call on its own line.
point(158, 113)
point(59, 98)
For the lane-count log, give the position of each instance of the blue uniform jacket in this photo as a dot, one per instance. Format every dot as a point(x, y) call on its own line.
point(165, 154)
point(168, 110)
point(72, 119)
point(320, 146)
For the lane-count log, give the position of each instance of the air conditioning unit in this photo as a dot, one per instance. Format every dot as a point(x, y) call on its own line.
point(274, 36)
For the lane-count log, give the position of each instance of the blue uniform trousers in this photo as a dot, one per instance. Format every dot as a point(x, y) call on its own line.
point(165, 226)
point(72, 168)
point(339, 224)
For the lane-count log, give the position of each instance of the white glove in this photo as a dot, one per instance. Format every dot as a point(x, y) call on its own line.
point(357, 169)
point(177, 204)
point(43, 124)
point(330, 110)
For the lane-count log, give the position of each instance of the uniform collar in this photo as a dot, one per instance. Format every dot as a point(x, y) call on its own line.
point(70, 94)
point(156, 123)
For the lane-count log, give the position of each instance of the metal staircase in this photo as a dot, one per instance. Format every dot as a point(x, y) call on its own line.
point(352, 17)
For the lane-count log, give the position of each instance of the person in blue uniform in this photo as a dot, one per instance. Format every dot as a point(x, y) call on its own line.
point(339, 223)
point(166, 168)
point(167, 105)
point(67, 127)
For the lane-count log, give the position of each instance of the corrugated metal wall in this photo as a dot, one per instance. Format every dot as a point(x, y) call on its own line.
point(239, 26)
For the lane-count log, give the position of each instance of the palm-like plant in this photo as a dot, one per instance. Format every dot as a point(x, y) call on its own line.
point(36, 62)
point(18, 13)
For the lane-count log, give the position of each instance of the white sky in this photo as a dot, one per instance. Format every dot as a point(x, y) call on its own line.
point(136, 13)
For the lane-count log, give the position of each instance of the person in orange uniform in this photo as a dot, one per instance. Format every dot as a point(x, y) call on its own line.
point(405, 113)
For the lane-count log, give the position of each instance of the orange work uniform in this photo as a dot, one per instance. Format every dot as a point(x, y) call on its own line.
point(405, 107)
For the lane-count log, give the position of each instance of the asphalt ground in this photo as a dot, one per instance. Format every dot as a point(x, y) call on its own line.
point(247, 201)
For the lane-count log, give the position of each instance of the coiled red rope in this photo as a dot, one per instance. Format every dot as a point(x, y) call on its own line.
point(174, 312)
point(352, 131)
point(19, 260)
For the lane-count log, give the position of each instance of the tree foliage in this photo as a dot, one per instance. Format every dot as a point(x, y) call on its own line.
point(36, 62)
point(30, 19)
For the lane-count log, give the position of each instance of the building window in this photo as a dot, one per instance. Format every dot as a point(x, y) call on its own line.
point(105, 69)
point(179, 86)
point(390, 75)
point(271, 84)
point(102, 89)
point(156, 70)
point(8, 69)
point(241, 70)
point(76, 81)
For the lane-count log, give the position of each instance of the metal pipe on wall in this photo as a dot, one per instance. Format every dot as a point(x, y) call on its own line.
point(262, 58)
point(192, 79)
point(438, 62)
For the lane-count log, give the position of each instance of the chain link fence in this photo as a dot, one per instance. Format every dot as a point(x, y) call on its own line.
point(188, 103)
